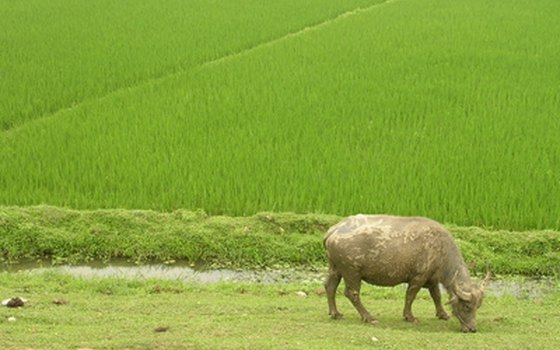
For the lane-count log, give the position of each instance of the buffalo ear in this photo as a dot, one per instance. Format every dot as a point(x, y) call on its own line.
point(452, 300)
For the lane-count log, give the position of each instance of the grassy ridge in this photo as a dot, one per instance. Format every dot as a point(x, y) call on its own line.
point(445, 110)
point(262, 240)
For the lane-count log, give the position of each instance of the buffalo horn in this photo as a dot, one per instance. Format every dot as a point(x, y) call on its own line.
point(486, 280)
point(466, 296)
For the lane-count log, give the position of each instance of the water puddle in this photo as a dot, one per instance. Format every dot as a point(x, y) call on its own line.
point(526, 289)
point(183, 272)
point(530, 289)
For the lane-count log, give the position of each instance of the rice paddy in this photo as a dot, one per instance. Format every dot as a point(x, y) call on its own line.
point(412, 107)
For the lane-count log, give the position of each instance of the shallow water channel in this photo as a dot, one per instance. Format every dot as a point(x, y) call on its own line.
point(522, 288)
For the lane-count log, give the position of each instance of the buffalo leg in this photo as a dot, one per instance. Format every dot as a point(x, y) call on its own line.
point(352, 292)
point(331, 284)
point(436, 296)
point(411, 292)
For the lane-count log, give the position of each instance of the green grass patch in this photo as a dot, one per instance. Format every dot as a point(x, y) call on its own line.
point(124, 314)
point(261, 240)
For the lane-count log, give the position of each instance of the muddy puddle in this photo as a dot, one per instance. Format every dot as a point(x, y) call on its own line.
point(520, 288)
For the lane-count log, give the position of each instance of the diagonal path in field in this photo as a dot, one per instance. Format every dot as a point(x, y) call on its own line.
point(296, 34)
point(203, 65)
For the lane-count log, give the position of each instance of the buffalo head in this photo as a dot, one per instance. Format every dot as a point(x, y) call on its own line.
point(465, 301)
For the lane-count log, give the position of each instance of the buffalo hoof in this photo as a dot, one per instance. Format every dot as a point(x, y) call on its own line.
point(411, 319)
point(336, 315)
point(370, 320)
point(443, 316)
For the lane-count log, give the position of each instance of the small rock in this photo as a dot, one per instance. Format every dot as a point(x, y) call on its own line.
point(161, 329)
point(301, 294)
point(14, 302)
point(374, 339)
point(11, 319)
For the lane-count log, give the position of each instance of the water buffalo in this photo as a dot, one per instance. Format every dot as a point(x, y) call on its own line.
point(389, 250)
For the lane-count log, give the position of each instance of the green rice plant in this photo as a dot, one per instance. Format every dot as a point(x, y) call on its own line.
point(56, 54)
point(446, 110)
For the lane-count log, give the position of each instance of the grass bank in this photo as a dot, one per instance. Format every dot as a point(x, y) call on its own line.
point(124, 314)
point(261, 240)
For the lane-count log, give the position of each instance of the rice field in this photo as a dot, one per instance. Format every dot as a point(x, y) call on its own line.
point(412, 107)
